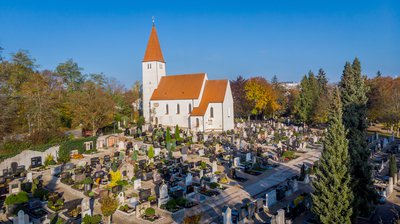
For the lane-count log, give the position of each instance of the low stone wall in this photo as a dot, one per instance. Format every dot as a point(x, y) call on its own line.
point(24, 158)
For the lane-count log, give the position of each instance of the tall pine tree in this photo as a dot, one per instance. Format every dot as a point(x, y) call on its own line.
point(353, 94)
point(333, 196)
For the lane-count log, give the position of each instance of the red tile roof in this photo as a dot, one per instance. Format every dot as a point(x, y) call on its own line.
point(153, 50)
point(179, 87)
point(214, 92)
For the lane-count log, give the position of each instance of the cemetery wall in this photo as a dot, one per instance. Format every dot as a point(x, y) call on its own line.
point(24, 158)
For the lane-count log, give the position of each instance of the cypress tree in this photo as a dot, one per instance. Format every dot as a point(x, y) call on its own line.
point(392, 166)
point(353, 95)
point(333, 196)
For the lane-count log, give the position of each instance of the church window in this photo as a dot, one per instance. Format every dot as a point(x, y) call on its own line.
point(149, 66)
point(178, 109)
point(197, 123)
point(160, 66)
point(211, 112)
point(190, 108)
point(166, 109)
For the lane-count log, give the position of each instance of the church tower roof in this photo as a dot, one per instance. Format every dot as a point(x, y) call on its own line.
point(153, 50)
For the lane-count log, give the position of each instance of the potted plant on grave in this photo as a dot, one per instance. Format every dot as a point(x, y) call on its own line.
point(150, 214)
point(108, 206)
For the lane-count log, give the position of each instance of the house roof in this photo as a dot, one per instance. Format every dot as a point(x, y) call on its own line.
point(179, 87)
point(214, 92)
point(153, 50)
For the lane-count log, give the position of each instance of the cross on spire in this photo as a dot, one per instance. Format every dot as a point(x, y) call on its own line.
point(153, 19)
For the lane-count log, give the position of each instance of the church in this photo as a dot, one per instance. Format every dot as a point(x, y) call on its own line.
point(191, 101)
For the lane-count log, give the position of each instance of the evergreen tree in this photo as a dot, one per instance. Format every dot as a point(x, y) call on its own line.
point(307, 98)
point(150, 153)
point(333, 196)
point(392, 166)
point(353, 95)
point(321, 107)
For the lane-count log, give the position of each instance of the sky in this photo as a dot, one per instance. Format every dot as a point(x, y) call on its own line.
point(222, 38)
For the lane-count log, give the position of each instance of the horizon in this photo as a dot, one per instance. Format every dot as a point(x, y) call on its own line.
point(111, 39)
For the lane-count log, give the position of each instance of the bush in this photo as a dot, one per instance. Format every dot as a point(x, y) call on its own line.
point(181, 202)
point(288, 155)
point(170, 205)
point(96, 219)
point(151, 198)
point(150, 211)
point(14, 199)
point(76, 144)
point(214, 185)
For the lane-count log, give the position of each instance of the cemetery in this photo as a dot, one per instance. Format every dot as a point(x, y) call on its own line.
point(162, 174)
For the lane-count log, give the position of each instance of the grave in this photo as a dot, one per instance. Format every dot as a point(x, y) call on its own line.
point(227, 215)
point(214, 167)
point(21, 218)
point(270, 199)
point(85, 207)
point(164, 197)
point(137, 184)
point(121, 198)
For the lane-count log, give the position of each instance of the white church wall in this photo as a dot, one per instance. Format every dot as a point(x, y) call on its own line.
point(172, 118)
point(193, 121)
point(196, 102)
point(228, 109)
point(151, 75)
point(213, 123)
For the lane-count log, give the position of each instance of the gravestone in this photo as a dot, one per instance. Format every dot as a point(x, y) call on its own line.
point(248, 157)
point(14, 186)
point(270, 199)
point(227, 215)
point(214, 167)
point(201, 152)
point(307, 179)
point(21, 218)
point(389, 188)
point(279, 218)
point(251, 209)
point(157, 151)
point(259, 205)
point(236, 162)
point(201, 173)
point(137, 184)
point(295, 185)
point(121, 198)
point(29, 177)
point(184, 157)
point(164, 197)
point(188, 179)
point(85, 207)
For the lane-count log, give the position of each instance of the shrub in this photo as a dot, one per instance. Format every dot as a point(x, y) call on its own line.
point(14, 199)
point(150, 211)
point(181, 202)
point(171, 204)
point(96, 219)
point(151, 198)
point(214, 185)
point(87, 180)
point(288, 154)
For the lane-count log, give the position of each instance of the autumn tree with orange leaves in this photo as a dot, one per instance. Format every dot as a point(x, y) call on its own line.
point(262, 96)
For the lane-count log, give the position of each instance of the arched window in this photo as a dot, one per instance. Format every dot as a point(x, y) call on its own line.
point(190, 108)
point(197, 123)
point(178, 109)
point(212, 112)
point(166, 109)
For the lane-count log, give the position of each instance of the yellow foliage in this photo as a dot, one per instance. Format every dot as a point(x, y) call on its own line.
point(115, 177)
point(262, 95)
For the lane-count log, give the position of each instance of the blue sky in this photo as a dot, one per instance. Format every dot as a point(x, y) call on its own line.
point(223, 38)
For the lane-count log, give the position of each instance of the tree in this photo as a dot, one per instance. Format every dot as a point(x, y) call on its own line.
point(92, 107)
point(150, 153)
point(333, 196)
point(321, 107)
point(134, 155)
point(242, 106)
point(108, 206)
point(353, 95)
point(392, 166)
point(177, 136)
point(262, 96)
point(71, 75)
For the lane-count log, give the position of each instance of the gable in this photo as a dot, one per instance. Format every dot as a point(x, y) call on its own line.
point(214, 92)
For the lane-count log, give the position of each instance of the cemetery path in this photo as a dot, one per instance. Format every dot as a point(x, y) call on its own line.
point(212, 208)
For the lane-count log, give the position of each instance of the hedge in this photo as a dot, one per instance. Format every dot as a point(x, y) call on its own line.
point(76, 144)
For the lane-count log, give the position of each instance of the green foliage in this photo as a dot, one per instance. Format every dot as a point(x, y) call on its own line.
point(49, 160)
point(168, 136)
point(40, 193)
point(353, 96)
point(87, 180)
point(152, 198)
point(150, 153)
point(150, 211)
point(135, 155)
point(203, 165)
point(214, 185)
point(76, 144)
point(288, 155)
point(96, 219)
point(392, 166)
point(14, 199)
point(177, 136)
point(333, 196)
point(171, 205)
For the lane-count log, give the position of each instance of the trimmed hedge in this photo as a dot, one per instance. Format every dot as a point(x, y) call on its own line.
point(76, 144)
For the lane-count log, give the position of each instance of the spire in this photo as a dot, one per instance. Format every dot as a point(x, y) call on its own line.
point(153, 50)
